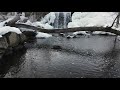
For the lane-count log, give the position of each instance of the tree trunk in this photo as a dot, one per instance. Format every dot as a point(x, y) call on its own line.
point(117, 23)
point(105, 29)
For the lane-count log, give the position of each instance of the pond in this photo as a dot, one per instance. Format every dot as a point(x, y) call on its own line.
point(83, 57)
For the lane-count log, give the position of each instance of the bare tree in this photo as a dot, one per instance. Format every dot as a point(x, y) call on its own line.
point(117, 22)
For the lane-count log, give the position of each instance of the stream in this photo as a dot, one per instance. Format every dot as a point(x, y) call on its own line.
point(96, 56)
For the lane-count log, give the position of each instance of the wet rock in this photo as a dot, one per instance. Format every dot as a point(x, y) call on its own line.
point(13, 39)
point(56, 47)
point(29, 34)
point(23, 38)
point(68, 37)
point(3, 43)
point(61, 34)
point(74, 36)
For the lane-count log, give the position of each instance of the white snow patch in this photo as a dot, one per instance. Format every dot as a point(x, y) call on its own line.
point(84, 19)
point(101, 32)
point(79, 32)
point(43, 35)
point(7, 29)
point(45, 26)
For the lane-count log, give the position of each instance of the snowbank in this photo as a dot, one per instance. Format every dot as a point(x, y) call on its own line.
point(86, 19)
point(43, 35)
point(7, 29)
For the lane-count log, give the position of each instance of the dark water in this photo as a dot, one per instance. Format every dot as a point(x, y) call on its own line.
point(83, 57)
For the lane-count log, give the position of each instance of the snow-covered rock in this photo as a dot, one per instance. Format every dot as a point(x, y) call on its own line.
point(43, 35)
point(6, 29)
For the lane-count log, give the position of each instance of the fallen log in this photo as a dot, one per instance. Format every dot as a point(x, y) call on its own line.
point(92, 29)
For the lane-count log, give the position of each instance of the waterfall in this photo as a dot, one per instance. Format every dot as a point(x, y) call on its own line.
point(62, 19)
point(57, 19)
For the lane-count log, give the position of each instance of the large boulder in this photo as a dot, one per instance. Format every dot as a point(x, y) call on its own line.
point(3, 43)
point(13, 39)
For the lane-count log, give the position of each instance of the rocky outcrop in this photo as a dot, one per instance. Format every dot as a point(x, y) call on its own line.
point(10, 41)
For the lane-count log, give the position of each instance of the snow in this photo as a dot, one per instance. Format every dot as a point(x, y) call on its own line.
point(84, 19)
point(46, 21)
point(90, 19)
point(101, 32)
point(49, 18)
point(2, 23)
point(6, 29)
point(45, 26)
point(28, 22)
point(79, 32)
point(43, 35)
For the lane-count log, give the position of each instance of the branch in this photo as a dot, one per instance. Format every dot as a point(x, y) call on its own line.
point(114, 21)
point(105, 29)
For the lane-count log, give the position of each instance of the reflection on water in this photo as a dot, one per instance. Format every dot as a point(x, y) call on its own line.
point(11, 64)
point(94, 57)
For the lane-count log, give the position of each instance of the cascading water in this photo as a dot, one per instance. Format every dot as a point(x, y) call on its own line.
point(57, 20)
point(62, 19)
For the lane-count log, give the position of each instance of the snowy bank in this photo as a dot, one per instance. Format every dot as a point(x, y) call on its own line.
point(7, 29)
point(43, 35)
point(90, 19)
point(3, 23)
point(85, 19)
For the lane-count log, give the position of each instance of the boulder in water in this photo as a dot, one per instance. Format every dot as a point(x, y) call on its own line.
point(56, 47)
